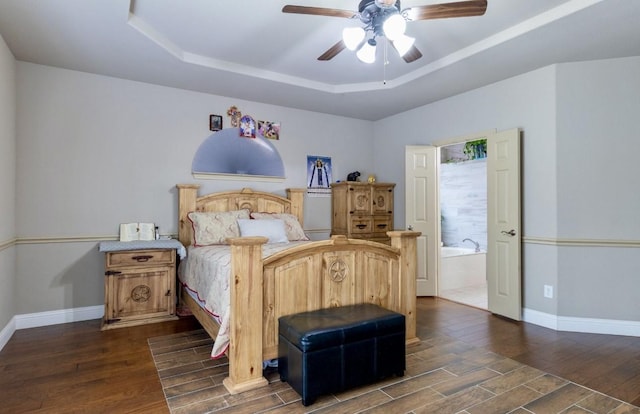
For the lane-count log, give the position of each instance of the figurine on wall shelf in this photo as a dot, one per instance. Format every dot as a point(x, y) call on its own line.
point(354, 176)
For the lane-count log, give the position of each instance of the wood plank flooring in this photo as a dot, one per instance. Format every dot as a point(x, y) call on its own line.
point(76, 368)
point(443, 375)
point(606, 363)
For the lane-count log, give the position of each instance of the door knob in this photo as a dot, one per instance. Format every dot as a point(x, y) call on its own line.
point(511, 232)
point(409, 227)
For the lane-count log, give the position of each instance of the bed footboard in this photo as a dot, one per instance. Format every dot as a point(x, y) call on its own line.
point(322, 274)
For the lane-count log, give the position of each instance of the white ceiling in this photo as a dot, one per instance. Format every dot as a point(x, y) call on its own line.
point(249, 49)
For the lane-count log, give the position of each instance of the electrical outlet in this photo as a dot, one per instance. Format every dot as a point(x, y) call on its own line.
point(548, 291)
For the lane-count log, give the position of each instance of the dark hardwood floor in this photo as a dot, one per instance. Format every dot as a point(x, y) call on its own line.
point(606, 363)
point(76, 368)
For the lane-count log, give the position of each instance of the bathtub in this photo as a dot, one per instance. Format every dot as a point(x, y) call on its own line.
point(461, 267)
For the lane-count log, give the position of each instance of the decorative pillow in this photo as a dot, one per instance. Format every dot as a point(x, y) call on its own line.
point(292, 226)
point(273, 229)
point(214, 228)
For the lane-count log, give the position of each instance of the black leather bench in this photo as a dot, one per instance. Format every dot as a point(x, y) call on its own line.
point(331, 350)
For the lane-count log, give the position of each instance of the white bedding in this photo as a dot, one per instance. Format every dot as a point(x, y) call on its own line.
point(206, 272)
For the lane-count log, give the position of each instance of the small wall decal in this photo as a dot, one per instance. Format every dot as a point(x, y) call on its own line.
point(235, 115)
point(269, 129)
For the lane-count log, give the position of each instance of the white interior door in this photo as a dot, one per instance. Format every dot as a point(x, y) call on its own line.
point(421, 208)
point(503, 224)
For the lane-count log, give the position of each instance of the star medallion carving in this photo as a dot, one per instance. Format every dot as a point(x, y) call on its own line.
point(338, 271)
point(141, 293)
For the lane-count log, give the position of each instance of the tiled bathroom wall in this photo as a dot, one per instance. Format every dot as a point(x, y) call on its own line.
point(463, 202)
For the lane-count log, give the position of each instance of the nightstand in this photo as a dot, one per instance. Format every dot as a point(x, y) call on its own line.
point(139, 282)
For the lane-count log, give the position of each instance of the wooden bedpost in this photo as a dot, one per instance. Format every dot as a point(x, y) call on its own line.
point(245, 327)
point(187, 196)
point(296, 195)
point(406, 241)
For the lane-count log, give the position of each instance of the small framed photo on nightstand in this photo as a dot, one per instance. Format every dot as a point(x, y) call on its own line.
point(215, 122)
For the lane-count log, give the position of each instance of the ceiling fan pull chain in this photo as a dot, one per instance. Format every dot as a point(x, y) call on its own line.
point(385, 62)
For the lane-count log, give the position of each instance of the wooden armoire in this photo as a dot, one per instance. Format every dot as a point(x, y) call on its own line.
point(362, 210)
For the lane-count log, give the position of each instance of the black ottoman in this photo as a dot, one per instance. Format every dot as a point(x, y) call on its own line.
point(331, 350)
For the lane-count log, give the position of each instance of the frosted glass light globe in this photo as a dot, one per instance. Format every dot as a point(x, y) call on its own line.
point(367, 52)
point(394, 27)
point(403, 44)
point(352, 37)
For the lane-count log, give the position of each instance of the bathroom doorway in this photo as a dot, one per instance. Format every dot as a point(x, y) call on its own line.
point(503, 205)
point(462, 182)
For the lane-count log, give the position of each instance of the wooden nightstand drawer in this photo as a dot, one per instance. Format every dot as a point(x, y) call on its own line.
point(360, 225)
point(381, 225)
point(141, 257)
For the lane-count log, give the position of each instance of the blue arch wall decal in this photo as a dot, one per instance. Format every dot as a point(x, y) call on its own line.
point(226, 152)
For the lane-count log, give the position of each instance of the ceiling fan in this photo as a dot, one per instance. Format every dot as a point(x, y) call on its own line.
point(385, 18)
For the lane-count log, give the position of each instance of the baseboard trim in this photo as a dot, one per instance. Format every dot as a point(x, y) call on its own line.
point(7, 332)
point(35, 320)
point(583, 325)
point(546, 320)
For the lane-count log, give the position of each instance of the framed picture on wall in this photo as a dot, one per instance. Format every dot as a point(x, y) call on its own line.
point(269, 129)
point(215, 122)
point(319, 176)
point(247, 127)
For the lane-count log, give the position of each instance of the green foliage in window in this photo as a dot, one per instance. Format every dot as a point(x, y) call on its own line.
point(475, 149)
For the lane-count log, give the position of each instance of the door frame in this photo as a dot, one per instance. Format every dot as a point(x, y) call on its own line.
point(504, 307)
point(444, 143)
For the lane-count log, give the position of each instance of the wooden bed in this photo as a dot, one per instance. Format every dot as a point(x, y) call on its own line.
point(316, 275)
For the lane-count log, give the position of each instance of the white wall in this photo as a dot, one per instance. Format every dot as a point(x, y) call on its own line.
point(579, 179)
point(527, 102)
point(598, 197)
point(96, 151)
point(7, 184)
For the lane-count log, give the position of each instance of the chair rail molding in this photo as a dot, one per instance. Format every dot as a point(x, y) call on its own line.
point(7, 243)
point(553, 241)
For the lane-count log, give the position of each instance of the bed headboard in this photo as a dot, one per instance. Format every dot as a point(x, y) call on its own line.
point(256, 201)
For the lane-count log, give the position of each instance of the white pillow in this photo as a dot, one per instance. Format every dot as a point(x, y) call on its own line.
point(291, 224)
point(272, 229)
point(215, 227)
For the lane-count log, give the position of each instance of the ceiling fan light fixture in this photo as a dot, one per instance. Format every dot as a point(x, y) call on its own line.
point(367, 52)
point(353, 37)
point(394, 26)
point(403, 44)
point(385, 4)
point(410, 14)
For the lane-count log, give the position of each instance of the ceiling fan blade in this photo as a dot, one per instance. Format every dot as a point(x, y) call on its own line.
point(319, 11)
point(333, 51)
point(445, 10)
